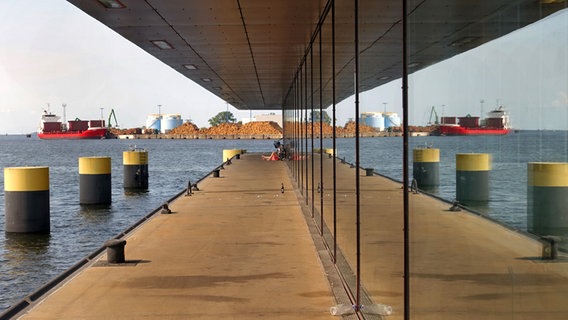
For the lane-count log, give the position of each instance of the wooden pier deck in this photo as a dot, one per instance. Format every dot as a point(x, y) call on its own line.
point(237, 249)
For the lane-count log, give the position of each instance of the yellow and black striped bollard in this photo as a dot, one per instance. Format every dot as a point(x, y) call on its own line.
point(26, 196)
point(472, 176)
point(426, 167)
point(95, 180)
point(135, 169)
point(547, 198)
point(230, 153)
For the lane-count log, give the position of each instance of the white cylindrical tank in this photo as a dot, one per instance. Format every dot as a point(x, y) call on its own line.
point(373, 119)
point(392, 120)
point(153, 121)
point(169, 122)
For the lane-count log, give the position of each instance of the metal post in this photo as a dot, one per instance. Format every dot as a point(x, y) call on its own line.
point(306, 126)
point(405, 161)
point(357, 160)
point(334, 135)
point(321, 133)
point(312, 121)
point(300, 131)
point(296, 166)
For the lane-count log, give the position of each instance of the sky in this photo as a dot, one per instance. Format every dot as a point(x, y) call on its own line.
point(54, 54)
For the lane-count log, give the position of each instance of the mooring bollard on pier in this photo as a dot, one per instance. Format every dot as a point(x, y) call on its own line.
point(472, 176)
point(26, 197)
point(115, 250)
point(135, 169)
point(95, 180)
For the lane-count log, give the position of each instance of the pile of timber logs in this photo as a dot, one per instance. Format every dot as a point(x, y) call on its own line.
point(186, 128)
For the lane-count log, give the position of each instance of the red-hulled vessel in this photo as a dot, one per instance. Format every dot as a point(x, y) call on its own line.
point(52, 128)
point(496, 123)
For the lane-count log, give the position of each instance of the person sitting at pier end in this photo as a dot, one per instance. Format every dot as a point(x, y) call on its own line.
point(272, 157)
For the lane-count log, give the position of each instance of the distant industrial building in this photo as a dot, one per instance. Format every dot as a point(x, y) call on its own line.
point(380, 120)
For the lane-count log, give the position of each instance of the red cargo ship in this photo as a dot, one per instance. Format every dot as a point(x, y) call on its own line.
point(52, 128)
point(496, 123)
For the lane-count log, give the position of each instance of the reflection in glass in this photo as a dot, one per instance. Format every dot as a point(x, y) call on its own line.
point(484, 259)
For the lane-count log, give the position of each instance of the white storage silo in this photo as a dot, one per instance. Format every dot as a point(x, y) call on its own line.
point(392, 120)
point(373, 119)
point(153, 121)
point(170, 121)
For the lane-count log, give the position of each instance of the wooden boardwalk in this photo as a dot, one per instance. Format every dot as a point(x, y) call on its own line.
point(237, 249)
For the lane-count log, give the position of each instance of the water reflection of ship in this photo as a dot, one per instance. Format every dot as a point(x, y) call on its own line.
point(496, 123)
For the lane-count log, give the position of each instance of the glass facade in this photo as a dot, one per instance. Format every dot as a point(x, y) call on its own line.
point(480, 230)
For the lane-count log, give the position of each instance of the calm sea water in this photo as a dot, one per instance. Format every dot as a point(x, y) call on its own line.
point(28, 261)
point(508, 177)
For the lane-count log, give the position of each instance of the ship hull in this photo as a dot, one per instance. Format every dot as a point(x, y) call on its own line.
point(465, 131)
point(96, 133)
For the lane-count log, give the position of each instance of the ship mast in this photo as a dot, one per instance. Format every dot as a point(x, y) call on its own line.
point(64, 123)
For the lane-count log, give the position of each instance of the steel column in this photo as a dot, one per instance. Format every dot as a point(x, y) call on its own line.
point(312, 121)
point(334, 133)
point(321, 133)
point(405, 161)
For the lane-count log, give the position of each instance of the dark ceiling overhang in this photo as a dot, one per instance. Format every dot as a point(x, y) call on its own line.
point(248, 52)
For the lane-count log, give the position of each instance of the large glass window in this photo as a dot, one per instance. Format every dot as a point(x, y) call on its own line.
point(487, 156)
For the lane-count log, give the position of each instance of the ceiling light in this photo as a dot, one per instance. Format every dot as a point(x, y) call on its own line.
point(112, 4)
point(190, 66)
point(206, 80)
point(216, 88)
point(384, 78)
point(162, 44)
point(413, 65)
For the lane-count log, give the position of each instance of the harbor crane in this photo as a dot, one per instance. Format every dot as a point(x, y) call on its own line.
point(112, 115)
point(434, 114)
